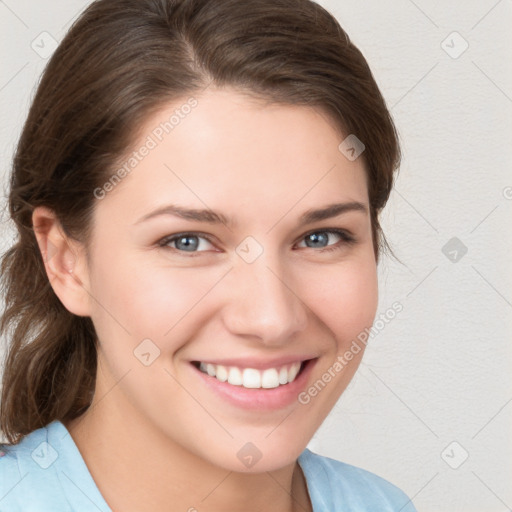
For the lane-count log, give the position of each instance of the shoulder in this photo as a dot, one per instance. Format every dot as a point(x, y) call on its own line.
point(27, 476)
point(10, 474)
point(340, 486)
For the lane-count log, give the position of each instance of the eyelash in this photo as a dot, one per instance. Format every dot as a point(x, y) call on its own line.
point(346, 239)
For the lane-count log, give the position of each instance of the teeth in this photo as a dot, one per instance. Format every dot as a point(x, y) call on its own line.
point(221, 373)
point(251, 378)
point(235, 377)
point(270, 378)
point(294, 370)
point(283, 375)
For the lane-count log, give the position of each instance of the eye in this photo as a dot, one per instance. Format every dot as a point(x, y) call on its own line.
point(316, 239)
point(184, 242)
point(191, 242)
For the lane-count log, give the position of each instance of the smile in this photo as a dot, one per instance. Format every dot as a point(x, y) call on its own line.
point(252, 378)
point(254, 384)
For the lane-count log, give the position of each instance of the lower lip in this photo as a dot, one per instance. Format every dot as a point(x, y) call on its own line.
point(259, 399)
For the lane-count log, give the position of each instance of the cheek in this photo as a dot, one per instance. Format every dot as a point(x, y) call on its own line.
point(345, 298)
point(135, 301)
point(346, 302)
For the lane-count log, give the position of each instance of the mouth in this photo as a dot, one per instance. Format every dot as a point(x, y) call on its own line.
point(262, 388)
point(252, 378)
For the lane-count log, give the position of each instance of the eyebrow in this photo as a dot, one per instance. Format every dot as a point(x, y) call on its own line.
point(213, 217)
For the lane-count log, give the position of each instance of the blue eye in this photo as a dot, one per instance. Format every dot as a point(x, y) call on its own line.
point(186, 242)
point(191, 242)
point(314, 239)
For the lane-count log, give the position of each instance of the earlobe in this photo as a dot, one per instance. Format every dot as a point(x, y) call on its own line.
point(64, 261)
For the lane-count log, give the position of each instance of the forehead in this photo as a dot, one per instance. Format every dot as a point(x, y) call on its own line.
point(233, 153)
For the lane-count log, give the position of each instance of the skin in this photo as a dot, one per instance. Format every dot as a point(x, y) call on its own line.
point(263, 165)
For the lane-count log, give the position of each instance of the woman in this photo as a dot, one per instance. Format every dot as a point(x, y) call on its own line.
point(197, 190)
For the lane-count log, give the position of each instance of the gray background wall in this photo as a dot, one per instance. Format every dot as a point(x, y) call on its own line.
point(430, 408)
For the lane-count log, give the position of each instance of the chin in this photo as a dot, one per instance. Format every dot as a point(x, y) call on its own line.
point(260, 455)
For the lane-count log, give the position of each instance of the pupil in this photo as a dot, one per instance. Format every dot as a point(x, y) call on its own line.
point(188, 246)
point(315, 238)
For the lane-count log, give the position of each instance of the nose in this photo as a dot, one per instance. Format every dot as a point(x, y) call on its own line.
point(263, 303)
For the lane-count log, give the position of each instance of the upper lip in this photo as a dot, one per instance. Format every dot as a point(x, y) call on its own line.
point(257, 363)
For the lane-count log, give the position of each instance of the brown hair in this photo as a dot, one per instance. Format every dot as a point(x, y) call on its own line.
point(120, 62)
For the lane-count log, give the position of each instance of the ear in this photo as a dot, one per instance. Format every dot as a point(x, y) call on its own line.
point(64, 260)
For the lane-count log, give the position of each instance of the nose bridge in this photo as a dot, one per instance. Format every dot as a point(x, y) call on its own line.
point(264, 303)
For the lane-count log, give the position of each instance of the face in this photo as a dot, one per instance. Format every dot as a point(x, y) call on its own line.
point(252, 294)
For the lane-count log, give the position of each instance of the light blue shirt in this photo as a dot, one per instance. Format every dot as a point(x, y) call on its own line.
point(45, 472)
